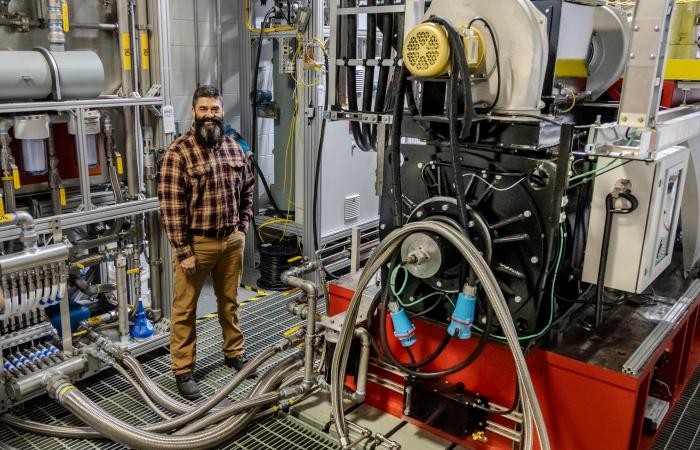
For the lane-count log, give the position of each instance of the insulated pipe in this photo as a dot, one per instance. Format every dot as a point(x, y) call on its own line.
point(122, 300)
point(140, 391)
point(291, 278)
point(360, 391)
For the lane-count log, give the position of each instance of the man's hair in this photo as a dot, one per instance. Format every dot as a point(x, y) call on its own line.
point(205, 91)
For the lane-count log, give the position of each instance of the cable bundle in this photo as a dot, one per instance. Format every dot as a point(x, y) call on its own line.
point(275, 259)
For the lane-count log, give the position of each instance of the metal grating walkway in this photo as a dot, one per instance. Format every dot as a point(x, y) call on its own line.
point(682, 431)
point(263, 321)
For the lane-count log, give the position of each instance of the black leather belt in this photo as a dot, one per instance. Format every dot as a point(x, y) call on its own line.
point(221, 233)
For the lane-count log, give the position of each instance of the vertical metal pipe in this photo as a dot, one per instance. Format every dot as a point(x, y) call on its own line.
point(122, 301)
point(57, 39)
point(154, 234)
point(83, 169)
point(219, 49)
point(196, 42)
point(54, 177)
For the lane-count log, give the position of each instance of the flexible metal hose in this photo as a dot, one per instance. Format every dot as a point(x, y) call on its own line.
point(260, 396)
point(50, 430)
point(493, 292)
point(195, 412)
point(87, 411)
point(140, 391)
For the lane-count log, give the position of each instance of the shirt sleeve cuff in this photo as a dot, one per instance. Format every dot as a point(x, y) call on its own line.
point(243, 226)
point(184, 252)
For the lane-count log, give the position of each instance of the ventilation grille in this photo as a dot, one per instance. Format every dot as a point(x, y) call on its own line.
point(352, 207)
point(423, 50)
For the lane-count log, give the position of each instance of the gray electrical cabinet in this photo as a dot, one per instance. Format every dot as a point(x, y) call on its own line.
point(641, 243)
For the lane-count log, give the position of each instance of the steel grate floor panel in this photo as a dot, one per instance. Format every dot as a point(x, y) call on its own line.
point(682, 431)
point(263, 321)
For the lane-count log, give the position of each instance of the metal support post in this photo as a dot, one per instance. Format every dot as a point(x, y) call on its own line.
point(122, 301)
point(641, 92)
point(354, 250)
point(66, 332)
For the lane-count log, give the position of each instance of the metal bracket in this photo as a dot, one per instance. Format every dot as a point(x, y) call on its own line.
point(56, 230)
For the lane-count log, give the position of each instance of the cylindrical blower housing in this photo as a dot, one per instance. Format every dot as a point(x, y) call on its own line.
point(27, 75)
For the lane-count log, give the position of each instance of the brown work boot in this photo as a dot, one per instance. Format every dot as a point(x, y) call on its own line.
point(238, 363)
point(187, 387)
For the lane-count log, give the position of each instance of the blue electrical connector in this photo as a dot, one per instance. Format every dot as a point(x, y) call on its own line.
point(142, 328)
point(404, 330)
point(463, 315)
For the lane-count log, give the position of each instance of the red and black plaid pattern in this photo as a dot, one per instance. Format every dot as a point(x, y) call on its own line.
point(203, 189)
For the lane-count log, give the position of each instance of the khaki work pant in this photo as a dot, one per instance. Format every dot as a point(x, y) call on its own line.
point(223, 259)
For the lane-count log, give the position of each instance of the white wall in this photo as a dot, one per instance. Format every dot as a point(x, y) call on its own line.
point(183, 53)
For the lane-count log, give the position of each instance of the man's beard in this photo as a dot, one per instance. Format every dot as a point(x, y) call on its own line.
point(209, 132)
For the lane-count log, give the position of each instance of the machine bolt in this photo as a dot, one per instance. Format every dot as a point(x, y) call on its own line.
point(632, 55)
point(636, 28)
point(527, 213)
point(407, 412)
point(517, 299)
point(438, 283)
point(652, 56)
point(657, 28)
point(420, 165)
point(534, 260)
point(640, 120)
point(419, 214)
point(382, 226)
point(483, 320)
point(624, 118)
point(445, 207)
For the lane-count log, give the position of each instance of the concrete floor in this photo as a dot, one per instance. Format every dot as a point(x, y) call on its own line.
point(207, 299)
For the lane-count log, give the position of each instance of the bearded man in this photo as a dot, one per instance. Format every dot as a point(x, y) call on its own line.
point(206, 201)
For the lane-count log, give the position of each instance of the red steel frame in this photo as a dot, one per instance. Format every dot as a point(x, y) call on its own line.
point(586, 407)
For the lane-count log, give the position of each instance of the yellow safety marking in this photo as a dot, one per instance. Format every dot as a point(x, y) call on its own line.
point(292, 330)
point(2, 207)
point(7, 218)
point(683, 69)
point(296, 258)
point(79, 266)
point(79, 333)
point(126, 49)
point(15, 178)
point(133, 271)
point(289, 292)
point(65, 389)
point(252, 289)
point(64, 14)
point(62, 196)
point(145, 60)
point(94, 320)
point(120, 165)
point(571, 68)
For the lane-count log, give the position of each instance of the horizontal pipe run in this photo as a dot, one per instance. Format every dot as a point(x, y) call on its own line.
point(30, 384)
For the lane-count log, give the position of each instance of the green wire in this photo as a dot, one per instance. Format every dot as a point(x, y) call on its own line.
point(422, 299)
point(562, 240)
point(397, 294)
point(590, 172)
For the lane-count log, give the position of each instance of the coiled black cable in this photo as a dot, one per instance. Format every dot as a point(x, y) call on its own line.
point(275, 259)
